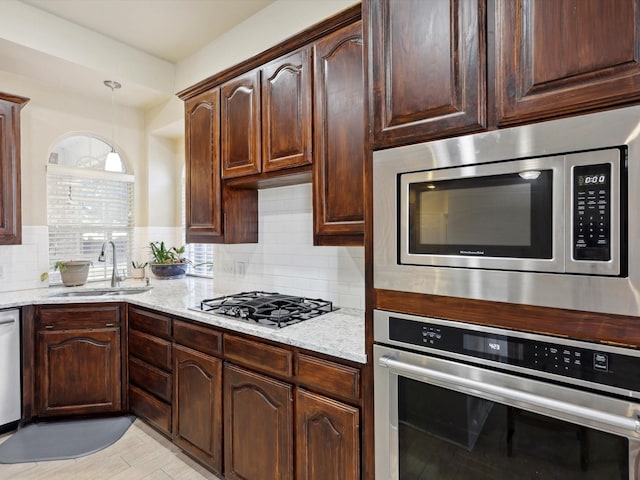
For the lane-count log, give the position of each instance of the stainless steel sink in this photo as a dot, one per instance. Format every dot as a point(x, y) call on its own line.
point(101, 292)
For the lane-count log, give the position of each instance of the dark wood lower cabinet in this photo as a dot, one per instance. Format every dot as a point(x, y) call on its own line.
point(150, 409)
point(258, 432)
point(327, 438)
point(78, 371)
point(197, 405)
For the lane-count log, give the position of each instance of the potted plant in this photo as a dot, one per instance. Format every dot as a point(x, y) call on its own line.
point(138, 269)
point(73, 272)
point(167, 263)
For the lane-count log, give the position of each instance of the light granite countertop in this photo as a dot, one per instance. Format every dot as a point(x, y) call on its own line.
point(339, 333)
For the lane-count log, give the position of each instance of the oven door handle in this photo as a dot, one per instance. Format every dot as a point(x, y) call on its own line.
point(580, 413)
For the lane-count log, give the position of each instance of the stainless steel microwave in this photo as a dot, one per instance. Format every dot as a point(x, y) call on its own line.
point(544, 214)
point(562, 213)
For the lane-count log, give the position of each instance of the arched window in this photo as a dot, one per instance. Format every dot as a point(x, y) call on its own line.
point(87, 206)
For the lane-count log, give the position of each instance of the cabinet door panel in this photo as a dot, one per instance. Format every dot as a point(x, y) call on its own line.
point(286, 112)
point(564, 57)
point(150, 378)
point(258, 426)
point(327, 443)
point(240, 121)
point(428, 69)
point(197, 406)
point(428, 73)
point(78, 372)
point(153, 350)
point(204, 194)
point(151, 409)
point(338, 171)
point(10, 194)
point(149, 322)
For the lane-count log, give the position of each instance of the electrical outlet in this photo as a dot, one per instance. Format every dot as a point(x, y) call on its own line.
point(227, 266)
point(240, 268)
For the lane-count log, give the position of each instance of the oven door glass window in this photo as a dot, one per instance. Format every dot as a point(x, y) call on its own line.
point(444, 434)
point(492, 216)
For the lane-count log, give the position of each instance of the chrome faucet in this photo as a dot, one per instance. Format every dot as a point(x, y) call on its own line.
point(115, 279)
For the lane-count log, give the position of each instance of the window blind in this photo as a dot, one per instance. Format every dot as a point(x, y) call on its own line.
point(84, 210)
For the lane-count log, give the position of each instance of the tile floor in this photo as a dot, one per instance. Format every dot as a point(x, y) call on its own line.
point(141, 454)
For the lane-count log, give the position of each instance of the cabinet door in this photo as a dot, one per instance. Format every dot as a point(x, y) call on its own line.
point(428, 69)
point(258, 426)
point(286, 112)
point(327, 438)
point(563, 57)
point(240, 120)
point(10, 206)
point(203, 184)
point(339, 116)
point(197, 406)
point(78, 371)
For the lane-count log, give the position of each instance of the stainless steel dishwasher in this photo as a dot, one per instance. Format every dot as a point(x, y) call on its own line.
point(10, 384)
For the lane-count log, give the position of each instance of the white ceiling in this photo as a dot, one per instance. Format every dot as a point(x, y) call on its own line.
point(167, 31)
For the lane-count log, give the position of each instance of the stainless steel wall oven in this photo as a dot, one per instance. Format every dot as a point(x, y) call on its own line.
point(469, 402)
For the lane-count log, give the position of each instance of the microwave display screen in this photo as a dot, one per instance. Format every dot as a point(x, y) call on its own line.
point(499, 216)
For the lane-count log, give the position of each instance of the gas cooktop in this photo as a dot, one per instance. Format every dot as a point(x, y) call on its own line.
point(266, 308)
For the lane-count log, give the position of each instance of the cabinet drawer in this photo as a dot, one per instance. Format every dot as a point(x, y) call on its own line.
point(150, 378)
point(331, 378)
point(69, 317)
point(153, 350)
point(258, 355)
point(149, 322)
point(202, 339)
point(148, 407)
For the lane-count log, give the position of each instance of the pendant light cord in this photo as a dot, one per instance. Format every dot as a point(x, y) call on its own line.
point(113, 85)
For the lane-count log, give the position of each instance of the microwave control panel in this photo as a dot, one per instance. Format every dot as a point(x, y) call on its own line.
point(592, 212)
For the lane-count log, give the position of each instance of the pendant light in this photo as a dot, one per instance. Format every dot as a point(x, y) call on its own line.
point(113, 163)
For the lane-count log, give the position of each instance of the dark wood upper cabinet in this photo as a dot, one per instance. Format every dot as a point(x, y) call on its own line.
point(339, 138)
point(203, 182)
point(10, 204)
point(427, 68)
point(286, 111)
point(258, 429)
point(556, 58)
point(215, 213)
point(240, 125)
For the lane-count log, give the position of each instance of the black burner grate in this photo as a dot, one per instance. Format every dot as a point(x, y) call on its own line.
point(267, 308)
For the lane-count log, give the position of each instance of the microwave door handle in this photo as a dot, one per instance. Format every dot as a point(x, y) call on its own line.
point(543, 405)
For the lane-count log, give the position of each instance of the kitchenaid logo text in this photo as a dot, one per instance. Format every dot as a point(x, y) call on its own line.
point(472, 252)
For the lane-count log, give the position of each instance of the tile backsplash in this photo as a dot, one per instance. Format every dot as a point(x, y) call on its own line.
point(285, 259)
point(22, 265)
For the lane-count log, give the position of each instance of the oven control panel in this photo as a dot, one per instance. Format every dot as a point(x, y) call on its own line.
point(532, 352)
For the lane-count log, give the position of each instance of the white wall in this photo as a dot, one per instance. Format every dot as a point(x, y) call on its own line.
point(49, 116)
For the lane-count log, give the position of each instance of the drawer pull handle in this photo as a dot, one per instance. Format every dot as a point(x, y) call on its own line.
point(48, 327)
point(109, 324)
